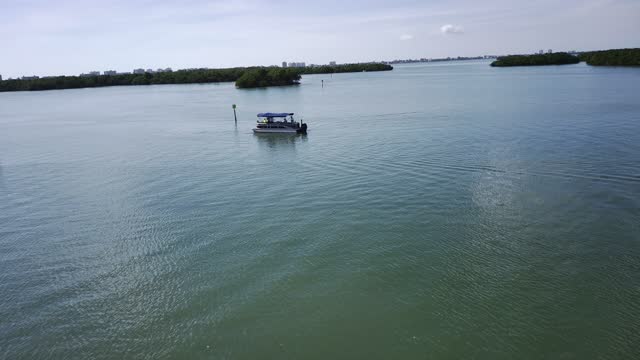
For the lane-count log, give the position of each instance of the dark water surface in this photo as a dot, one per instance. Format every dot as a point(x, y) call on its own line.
point(441, 211)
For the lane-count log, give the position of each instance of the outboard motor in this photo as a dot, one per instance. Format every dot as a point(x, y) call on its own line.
point(303, 129)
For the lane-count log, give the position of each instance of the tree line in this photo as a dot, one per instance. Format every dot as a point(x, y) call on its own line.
point(329, 69)
point(559, 58)
point(244, 77)
point(276, 76)
point(273, 76)
point(616, 57)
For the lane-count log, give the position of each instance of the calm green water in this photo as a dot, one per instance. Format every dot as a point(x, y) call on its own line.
point(441, 211)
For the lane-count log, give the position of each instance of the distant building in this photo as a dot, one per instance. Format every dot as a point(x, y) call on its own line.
point(541, 52)
point(91, 73)
point(110, 72)
point(30, 77)
point(168, 70)
point(332, 63)
point(123, 73)
point(150, 71)
point(284, 64)
point(138, 71)
point(549, 51)
point(297, 64)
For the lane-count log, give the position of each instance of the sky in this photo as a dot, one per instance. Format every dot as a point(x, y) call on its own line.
point(68, 37)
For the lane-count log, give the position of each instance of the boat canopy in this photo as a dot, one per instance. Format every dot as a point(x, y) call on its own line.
point(274, 115)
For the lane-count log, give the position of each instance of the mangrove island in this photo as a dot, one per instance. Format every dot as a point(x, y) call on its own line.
point(559, 58)
point(244, 77)
point(273, 76)
point(276, 76)
point(615, 57)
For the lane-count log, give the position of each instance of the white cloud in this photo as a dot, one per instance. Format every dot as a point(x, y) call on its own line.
point(406, 37)
point(451, 29)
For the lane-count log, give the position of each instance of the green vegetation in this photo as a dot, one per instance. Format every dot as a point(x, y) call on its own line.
point(272, 76)
point(329, 69)
point(75, 82)
point(244, 77)
point(275, 76)
point(617, 57)
point(560, 58)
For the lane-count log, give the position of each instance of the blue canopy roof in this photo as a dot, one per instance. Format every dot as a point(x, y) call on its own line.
point(271, 115)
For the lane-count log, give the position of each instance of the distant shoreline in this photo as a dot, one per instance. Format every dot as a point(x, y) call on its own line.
point(248, 77)
point(276, 76)
point(260, 76)
point(560, 58)
point(614, 57)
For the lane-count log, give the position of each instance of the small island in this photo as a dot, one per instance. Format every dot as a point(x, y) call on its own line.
point(615, 57)
point(345, 68)
point(244, 77)
point(273, 76)
point(559, 58)
point(276, 76)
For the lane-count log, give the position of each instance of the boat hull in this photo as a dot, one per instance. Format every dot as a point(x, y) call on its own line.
point(278, 131)
point(275, 131)
point(280, 127)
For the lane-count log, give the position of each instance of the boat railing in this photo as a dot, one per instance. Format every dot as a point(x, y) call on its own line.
point(289, 123)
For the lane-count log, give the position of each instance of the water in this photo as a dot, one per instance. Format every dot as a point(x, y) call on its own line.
point(436, 211)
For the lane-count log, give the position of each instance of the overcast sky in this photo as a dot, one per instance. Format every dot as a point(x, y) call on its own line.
point(47, 37)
